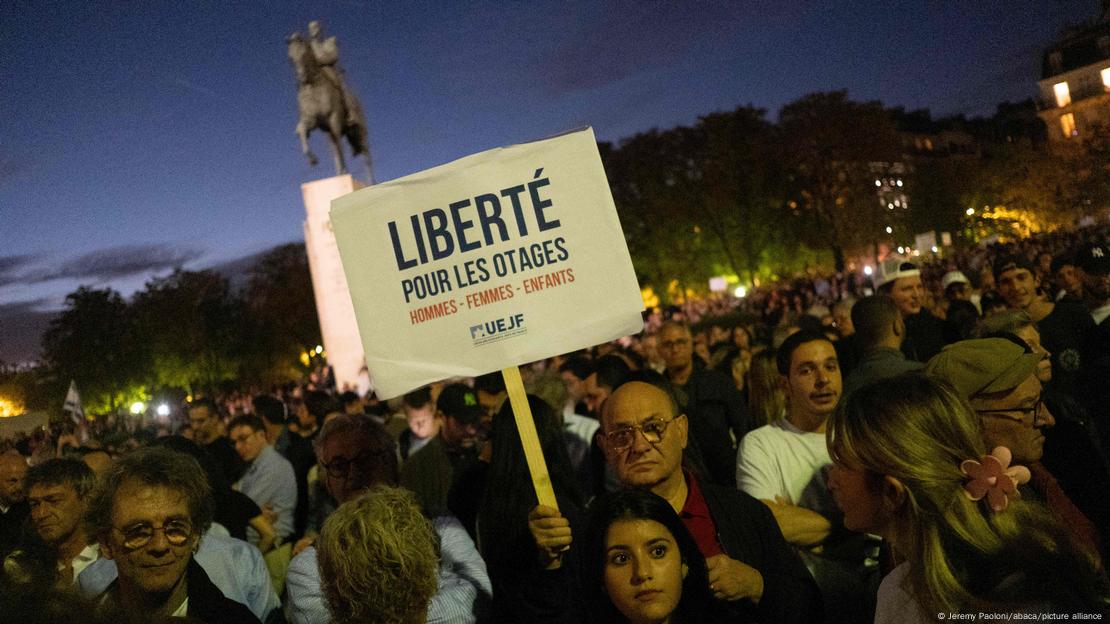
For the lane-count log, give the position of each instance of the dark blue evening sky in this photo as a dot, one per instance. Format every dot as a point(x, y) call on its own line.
point(138, 136)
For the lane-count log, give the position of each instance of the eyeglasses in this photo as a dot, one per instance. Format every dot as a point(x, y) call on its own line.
point(652, 429)
point(177, 532)
point(340, 467)
point(1033, 411)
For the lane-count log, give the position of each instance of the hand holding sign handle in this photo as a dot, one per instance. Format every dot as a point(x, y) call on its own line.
point(541, 480)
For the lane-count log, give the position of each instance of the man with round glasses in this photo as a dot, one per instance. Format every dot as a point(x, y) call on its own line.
point(149, 513)
point(751, 567)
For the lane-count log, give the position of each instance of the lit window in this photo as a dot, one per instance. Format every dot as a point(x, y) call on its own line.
point(1106, 78)
point(1067, 125)
point(1063, 95)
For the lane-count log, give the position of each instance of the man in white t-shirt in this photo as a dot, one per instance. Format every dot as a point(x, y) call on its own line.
point(784, 465)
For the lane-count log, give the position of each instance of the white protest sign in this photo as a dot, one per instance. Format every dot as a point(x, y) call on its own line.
point(497, 259)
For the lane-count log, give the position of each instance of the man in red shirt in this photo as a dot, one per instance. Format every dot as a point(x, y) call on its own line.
point(750, 564)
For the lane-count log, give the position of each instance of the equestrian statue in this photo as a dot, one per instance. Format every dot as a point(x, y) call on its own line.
point(324, 99)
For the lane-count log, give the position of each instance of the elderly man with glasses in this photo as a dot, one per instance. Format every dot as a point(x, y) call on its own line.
point(751, 567)
point(998, 376)
point(357, 454)
point(149, 513)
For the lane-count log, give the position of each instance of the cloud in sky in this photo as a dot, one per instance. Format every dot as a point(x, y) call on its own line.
point(100, 265)
point(10, 268)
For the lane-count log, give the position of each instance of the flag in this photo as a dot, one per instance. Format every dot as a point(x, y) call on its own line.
point(73, 404)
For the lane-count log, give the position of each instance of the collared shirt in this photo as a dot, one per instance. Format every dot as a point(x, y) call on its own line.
point(1100, 313)
point(695, 515)
point(270, 481)
point(83, 559)
point(235, 567)
point(462, 584)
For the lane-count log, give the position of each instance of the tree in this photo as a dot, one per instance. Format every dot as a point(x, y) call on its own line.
point(829, 142)
point(193, 326)
point(93, 341)
point(281, 314)
point(651, 178)
point(742, 180)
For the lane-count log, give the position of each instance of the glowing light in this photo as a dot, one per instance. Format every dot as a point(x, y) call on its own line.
point(901, 249)
point(889, 230)
point(897, 203)
point(741, 292)
point(1106, 78)
point(319, 349)
point(935, 249)
point(970, 211)
point(867, 270)
point(10, 407)
point(1067, 125)
point(890, 206)
point(917, 252)
point(305, 358)
point(163, 410)
point(899, 183)
point(138, 407)
point(1063, 94)
point(878, 183)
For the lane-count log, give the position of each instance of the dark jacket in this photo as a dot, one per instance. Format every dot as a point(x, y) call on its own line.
point(209, 605)
point(718, 418)
point(12, 526)
point(877, 364)
point(748, 532)
point(926, 335)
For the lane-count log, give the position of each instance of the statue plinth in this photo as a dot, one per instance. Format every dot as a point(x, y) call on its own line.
point(329, 284)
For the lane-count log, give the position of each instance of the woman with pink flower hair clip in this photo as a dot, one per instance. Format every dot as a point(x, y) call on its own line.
point(909, 465)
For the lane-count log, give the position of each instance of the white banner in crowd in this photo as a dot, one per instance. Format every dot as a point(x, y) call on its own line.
point(497, 259)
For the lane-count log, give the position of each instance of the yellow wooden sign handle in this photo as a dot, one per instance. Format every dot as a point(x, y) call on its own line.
point(528, 438)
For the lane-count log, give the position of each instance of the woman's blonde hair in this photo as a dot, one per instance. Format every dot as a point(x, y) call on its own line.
point(766, 399)
point(963, 556)
point(378, 559)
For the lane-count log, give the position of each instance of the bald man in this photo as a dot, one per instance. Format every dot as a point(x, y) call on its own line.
point(751, 568)
point(13, 507)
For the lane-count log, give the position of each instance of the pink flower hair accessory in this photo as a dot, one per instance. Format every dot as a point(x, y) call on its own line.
point(994, 477)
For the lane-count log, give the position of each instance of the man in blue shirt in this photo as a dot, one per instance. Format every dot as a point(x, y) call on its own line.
point(269, 479)
point(357, 453)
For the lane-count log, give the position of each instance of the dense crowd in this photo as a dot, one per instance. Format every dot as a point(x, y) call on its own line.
point(926, 439)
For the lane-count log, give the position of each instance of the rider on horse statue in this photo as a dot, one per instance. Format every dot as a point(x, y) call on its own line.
point(326, 52)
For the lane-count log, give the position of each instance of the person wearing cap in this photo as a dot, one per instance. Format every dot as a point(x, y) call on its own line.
point(963, 311)
point(1094, 274)
point(1065, 327)
point(998, 377)
point(431, 471)
point(1094, 269)
point(1066, 278)
point(926, 335)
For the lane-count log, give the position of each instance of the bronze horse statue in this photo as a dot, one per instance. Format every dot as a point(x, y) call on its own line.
point(324, 105)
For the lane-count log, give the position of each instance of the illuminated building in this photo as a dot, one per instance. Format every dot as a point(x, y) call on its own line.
point(1075, 81)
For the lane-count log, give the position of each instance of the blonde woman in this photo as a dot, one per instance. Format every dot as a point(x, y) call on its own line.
point(909, 465)
point(766, 400)
point(378, 559)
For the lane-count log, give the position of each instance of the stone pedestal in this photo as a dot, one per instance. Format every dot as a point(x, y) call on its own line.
point(329, 284)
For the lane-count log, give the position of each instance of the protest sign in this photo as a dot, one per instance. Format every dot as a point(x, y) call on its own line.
point(497, 259)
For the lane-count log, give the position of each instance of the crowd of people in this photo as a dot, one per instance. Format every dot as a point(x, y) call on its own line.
point(859, 448)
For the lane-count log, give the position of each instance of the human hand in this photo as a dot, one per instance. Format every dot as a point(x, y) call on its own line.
point(551, 532)
point(730, 579)
point(270, 514)
point(303, 543)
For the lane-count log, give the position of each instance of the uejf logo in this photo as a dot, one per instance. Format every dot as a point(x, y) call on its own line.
point(497, 329)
